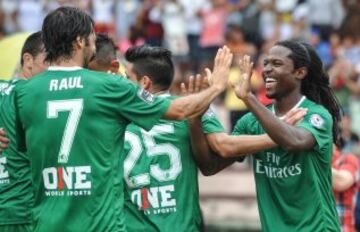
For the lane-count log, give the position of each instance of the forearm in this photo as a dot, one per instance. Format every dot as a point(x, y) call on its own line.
point(208, 162)
point(239, 145)
point(288, 137)
point(342, 180)
point(191, 105)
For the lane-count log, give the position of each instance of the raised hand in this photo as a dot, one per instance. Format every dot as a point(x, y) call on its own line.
point(196, 84)
point(243, 87)
point(220, 75)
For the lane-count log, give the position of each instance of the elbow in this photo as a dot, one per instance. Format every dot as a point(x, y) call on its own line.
point(220, 148)
point(208, 168)
point(207, 171)
point(341, 186)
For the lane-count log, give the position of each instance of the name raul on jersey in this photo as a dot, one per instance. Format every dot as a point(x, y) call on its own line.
point(65, 84)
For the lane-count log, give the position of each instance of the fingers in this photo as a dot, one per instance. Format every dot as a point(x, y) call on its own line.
point(209, 76)
point(294, 116)
point(191, 85)
point(198, 81)
point(183, 90)
point(4, 141)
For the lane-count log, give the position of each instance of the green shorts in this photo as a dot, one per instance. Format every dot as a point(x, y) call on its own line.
point(16, 228)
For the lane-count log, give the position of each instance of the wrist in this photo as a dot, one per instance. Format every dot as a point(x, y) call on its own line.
point(249, 98)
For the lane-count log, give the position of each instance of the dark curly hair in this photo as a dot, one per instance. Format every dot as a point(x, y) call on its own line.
point(154, 62)
point(60, 29)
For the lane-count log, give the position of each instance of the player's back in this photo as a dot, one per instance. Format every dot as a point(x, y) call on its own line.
point(15, 181)
point(161, 184)
point(74, 135)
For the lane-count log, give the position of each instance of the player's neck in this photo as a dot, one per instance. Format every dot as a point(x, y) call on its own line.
point(159, 91)
point(284, 105)
point(61, 62)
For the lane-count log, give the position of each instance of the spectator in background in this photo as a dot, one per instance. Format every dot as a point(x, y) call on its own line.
point(30, 14)
point(326, 15)
point(149, 22)
point(172, 17)
point(212, 35)
point(125, 17)
point(9, 9)
point(345, 174)
point(103, 13)
point(350, 140)
point(192, 9)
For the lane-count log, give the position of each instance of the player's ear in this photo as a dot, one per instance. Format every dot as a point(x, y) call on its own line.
point(115, 64)
point(79, 42)
point(301, 73)
point(146, 83)
point(28, 60)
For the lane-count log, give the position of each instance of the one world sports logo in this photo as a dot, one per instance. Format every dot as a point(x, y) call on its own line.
point(67, 181)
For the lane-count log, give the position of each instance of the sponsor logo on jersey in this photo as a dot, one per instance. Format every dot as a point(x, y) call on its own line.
point(155, 200)
point(145, 95)
point(271, 167)
point(4, 174)
point(316, 120)
point(67, 181)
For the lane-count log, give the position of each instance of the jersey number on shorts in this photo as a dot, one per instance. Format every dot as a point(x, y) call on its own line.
point(74, 107)
point(152, 149)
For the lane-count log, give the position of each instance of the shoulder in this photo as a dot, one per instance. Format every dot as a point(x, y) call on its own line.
point(317, 114)
point(244, 122)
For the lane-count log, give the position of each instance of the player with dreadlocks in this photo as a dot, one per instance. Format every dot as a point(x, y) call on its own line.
point(293, 181)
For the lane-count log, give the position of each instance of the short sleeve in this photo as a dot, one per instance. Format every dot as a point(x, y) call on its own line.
point(135, 104)
point(211, 123)
point(240, 126)
point(319, 124)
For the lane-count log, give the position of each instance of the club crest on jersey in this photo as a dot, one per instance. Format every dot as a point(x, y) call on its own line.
point(145, 95)
point(316, 120)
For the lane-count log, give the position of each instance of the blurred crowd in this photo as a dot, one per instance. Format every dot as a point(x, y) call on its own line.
point(194, 29)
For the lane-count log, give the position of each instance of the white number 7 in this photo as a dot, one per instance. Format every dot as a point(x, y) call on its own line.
point(74, 107)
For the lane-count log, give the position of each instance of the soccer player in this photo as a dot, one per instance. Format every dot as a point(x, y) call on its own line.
point(293, 181)
point(161, 187)
point(72, 122)
point(16, 193)
point(105, 59)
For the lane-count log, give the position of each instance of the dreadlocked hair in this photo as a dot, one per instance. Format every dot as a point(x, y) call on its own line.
point(315, 85)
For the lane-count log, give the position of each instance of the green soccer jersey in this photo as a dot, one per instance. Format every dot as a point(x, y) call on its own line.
point(15, 180)
point(294, 188)
point(72, 123)
point(161, 185)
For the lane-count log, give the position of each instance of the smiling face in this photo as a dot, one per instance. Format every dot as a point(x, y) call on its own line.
point(280, 77)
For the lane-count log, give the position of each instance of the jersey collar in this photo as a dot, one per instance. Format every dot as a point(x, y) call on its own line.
point(294, 107)
point(62, 68)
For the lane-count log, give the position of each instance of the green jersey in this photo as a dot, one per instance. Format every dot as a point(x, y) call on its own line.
point(72, 122)
point(294, 189)
point(15, 180)
point(161, 185)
